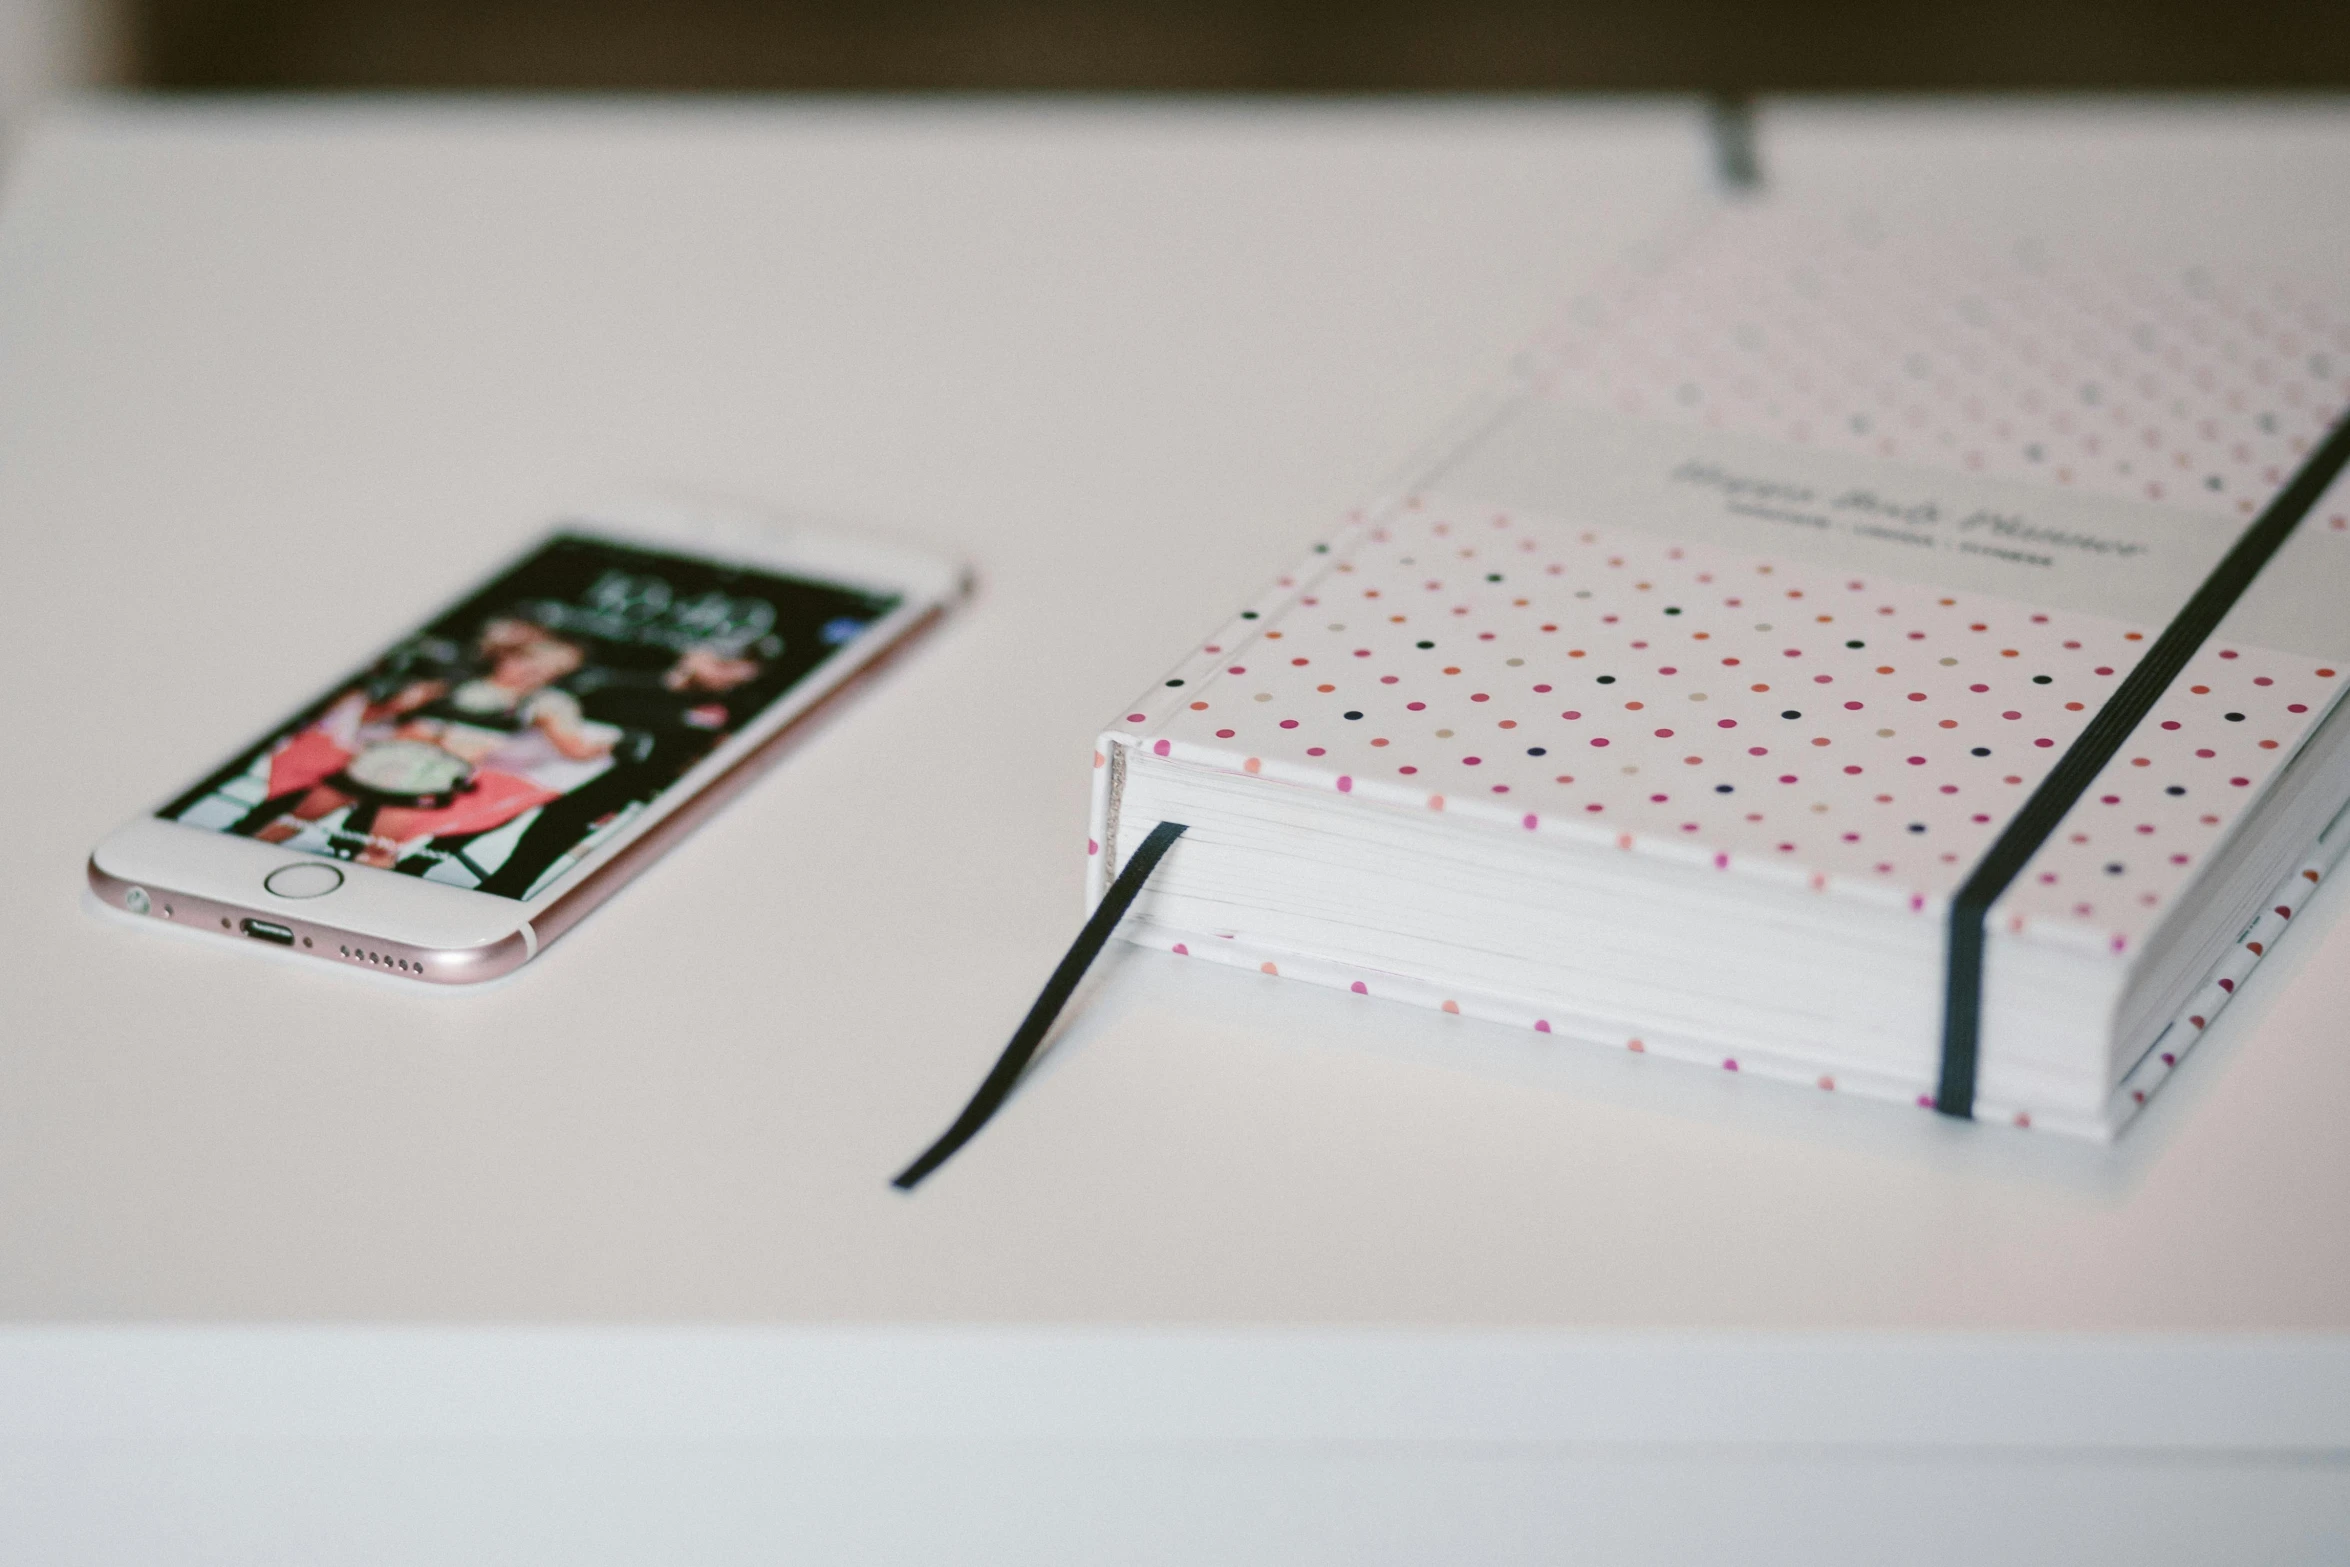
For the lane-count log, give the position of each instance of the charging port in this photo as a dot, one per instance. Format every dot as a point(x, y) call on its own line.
point(263, 930)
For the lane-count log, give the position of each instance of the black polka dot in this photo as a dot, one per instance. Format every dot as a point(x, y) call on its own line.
point(1672, 609)
point(2233, 718)
point(1535, 750)
point(1981, 750)
point(1423, 644)
point(1856, 643)
point(1248, 614)
point(1721, 788)
point(1353, 715)
point(2040, 680)
point(1791, 713)
point(1174, 682)
point(2175, 789)
point(2113, 870)
point(1493, 576)
point(1917, 826)
point(1607, 680)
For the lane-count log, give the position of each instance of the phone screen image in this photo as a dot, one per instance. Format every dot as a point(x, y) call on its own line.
point(500, 744)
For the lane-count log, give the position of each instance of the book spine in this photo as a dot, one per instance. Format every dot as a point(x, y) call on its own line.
point(2227, 977)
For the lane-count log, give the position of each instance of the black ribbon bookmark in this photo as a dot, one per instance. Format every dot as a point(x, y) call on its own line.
point(1004, 1076)
point(1962, 996)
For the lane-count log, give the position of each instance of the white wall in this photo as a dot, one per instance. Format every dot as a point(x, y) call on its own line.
point(48, 47)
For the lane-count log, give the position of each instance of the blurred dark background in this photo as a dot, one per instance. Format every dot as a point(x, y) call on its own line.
point(1261, 45)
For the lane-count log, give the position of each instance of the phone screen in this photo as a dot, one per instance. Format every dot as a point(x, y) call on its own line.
point(500, 744)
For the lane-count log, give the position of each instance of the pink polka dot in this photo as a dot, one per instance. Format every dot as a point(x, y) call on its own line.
point(1531, 822)
point(1471, 761)
point(1600, 741)
point(1223, 734)
point(1160, 749)
point(1136, 718)
point(1359, 988)
point(1289, 723)
point(1664, 734)
point(1092, 847)
point(1315, 750)
point(1346, 785)
point(1726, 723)
point(1852, 769)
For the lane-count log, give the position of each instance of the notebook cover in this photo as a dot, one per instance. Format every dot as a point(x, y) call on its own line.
point(1804, 555)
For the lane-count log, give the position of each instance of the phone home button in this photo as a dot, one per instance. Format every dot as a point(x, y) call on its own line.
point(303, 881)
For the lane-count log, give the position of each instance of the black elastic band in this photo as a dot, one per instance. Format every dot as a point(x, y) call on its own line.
point(2116, 721)
point(1730, 129)
point(1005, 1074)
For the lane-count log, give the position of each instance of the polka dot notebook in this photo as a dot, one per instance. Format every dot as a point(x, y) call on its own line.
point(1813, 610)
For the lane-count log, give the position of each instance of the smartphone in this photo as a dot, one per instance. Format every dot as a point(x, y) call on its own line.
point(446, 812)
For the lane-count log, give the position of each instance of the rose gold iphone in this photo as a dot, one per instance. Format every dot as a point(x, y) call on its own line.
point(448, 811)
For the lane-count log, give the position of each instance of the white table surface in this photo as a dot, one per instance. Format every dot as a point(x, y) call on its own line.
point(1244, 1273)
point(274, 379)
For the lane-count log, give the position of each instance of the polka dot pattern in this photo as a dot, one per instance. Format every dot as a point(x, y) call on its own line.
point(1760, 716)
point(2025, 360)
point(2136, 836)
